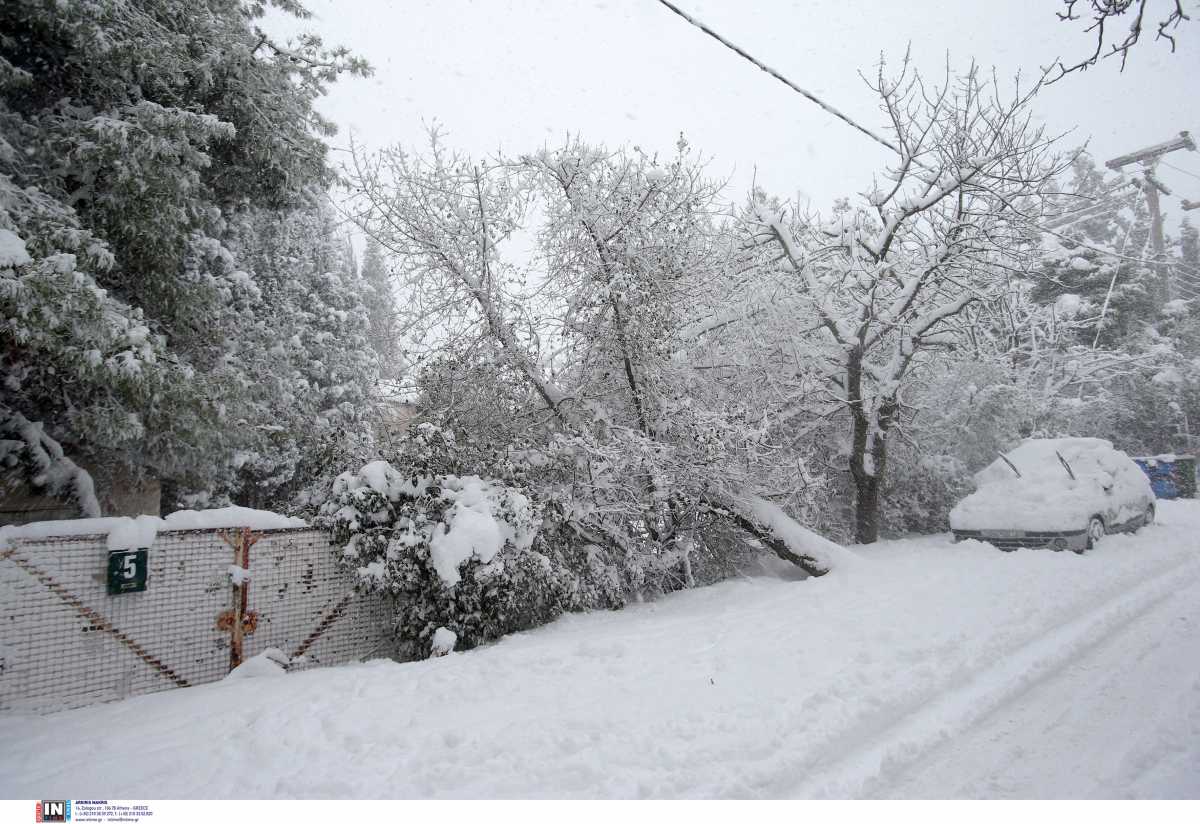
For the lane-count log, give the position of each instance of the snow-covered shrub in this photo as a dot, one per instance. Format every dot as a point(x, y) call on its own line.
point(455, 552)
point(922, 490)
point(443, 642)
point(597, 574)
point(964, 413)
point(626, 518)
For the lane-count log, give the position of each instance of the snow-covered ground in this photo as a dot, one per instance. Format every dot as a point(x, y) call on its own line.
point(929, 670)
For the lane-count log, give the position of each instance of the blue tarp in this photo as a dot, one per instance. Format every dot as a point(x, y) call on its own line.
point(1171, 476)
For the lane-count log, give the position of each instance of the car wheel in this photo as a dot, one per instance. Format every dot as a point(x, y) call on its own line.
point(1095, 531)
point(1148, 518)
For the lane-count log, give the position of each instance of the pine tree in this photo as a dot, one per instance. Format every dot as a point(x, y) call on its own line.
point(1189, 248)
point(381, 309)
point(131, 135)
point(1096, 271)
point(306, 352)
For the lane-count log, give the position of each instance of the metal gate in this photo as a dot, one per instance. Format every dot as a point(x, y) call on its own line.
point(66, 642)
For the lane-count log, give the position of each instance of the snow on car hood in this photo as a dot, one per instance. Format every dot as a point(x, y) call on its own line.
point(1045, 498)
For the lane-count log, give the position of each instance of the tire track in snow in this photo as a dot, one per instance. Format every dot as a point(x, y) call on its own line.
point(1142, 681)
point(861, 755)
point(773, 769)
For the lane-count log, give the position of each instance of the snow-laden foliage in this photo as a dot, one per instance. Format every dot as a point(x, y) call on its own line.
point(132, 136)
point(887, 284)
point(1097, 266)
point(304, 349)
point(454, 552)
point(604, 346)
point(579, 362)
point(383, 319)
point(26, 448)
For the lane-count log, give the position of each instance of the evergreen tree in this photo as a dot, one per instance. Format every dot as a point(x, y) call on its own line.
point(1096, 271)
point(306, 352)
point(381, 309)
point(131, 134)
point(1189, 249)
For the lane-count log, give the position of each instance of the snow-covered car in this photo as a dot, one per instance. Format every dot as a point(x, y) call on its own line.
point(1057, 493)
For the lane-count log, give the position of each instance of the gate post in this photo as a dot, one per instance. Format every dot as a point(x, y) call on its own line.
point(241, 541)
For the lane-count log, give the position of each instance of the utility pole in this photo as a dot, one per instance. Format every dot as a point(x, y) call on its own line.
point(1152, 188)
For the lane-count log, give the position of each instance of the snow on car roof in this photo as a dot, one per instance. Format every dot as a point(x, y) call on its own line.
point(1038, 458)
point(1046, 497)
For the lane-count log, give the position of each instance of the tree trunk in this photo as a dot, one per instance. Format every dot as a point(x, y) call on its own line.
point(865, 474)
point(868, 451)
point(866, 510)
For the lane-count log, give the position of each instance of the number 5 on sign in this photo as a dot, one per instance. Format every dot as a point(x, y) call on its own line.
point(127, 571)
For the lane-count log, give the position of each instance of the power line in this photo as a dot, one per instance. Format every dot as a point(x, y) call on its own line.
point(1176, 168)
point(1190, 270)
point(1191, 282)
point(1112, 285)
point(863, 129)
point(804, 92)
point(1184, 273)
point(1101, 203)
point(1192, 294)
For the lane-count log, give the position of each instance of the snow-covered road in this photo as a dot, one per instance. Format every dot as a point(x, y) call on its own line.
point(1118, 719)
point(928, 670)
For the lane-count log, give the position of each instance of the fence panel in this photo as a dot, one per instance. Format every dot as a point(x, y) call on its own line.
point(65, 642)
point(306, 606)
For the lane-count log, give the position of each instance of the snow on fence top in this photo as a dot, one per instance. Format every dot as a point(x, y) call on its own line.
point(129, 533)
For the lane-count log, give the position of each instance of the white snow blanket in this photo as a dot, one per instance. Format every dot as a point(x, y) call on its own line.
point(1045, 497)
point(270, 663)
point(934, 670)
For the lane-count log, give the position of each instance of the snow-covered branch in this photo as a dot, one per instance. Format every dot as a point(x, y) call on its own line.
point(52, 470)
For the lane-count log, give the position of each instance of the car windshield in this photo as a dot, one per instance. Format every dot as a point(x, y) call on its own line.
point(1052, 461)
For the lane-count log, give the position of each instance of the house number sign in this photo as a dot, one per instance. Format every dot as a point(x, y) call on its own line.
point(127, 571)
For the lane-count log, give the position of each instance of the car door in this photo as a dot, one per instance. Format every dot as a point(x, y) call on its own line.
point(1109, 503)
point(1119, 513)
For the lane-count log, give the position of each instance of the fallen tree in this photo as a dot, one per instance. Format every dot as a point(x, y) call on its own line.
point(643, 467)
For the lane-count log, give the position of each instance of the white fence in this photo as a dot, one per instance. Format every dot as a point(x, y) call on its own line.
point(66, 642)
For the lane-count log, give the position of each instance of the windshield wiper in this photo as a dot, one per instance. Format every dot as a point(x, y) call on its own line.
point(1066, 465)
point(1011, 465)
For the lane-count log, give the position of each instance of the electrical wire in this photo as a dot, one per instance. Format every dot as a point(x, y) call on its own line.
point(1178, 169)
point(1190, 294)
point(1112, 284)
point(887, 143)
point(1101, 204)
point(845, 118)
point(1192, 274)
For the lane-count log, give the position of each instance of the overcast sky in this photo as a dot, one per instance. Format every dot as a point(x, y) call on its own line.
point(516, 74)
